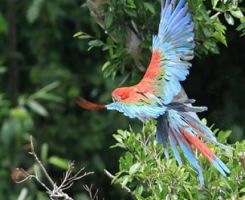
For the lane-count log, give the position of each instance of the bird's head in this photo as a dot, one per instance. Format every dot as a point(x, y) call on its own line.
point(120, 94)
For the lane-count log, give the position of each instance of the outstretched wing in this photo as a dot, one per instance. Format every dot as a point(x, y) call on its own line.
point(174, 44)
point(172, 50)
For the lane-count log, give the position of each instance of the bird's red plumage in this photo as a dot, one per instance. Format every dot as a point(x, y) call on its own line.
point(154, 66)
point(146, 85)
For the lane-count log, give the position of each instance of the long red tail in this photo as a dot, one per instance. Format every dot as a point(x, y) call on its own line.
point(87, 105)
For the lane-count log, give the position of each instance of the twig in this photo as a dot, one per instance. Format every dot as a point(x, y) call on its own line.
point(107, 173)
point(55, 192)
point(39, 162)
point(215, 15)
point(23, 194)
point(90, 192)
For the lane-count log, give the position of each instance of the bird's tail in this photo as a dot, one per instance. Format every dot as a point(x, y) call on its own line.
point(179, 127)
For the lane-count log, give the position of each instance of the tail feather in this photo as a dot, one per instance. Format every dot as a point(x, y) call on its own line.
point(188, 152)
point(202, 130)
point(180, 128)
point(206, 152)
point(173, 142)
point(88, 105)
point(162, 138)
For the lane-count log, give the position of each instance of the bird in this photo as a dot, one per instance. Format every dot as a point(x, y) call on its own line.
point(153, 97)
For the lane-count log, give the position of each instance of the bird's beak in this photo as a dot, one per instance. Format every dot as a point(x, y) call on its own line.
point(115, 98)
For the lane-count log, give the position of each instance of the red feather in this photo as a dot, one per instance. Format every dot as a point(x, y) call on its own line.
point(154, 66)
point(203, 148)
point(134, 93)
point(87, 105)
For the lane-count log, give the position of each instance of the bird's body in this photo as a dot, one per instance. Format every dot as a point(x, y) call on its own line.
point(153, 96)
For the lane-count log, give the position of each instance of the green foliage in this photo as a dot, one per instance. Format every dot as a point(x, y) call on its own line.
point(40, 78)
point(121, 16)
point(148, 174)
point(16, 124)
point(43, 69)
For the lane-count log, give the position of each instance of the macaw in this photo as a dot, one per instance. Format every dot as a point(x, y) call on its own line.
point(153, 96)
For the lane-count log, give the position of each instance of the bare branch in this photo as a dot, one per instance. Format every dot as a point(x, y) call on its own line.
point(39, 162)
point(55, 192)
point(127, 189)
point(90, 192)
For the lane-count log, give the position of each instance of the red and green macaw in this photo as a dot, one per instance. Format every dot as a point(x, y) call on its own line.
point(153, 96)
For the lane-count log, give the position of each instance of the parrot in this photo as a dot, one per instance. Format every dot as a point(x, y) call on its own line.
point(153, 97)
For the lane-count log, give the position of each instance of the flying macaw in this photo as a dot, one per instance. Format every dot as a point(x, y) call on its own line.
point(153, 96)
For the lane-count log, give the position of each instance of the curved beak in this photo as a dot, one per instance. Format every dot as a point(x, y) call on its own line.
point(115, 98)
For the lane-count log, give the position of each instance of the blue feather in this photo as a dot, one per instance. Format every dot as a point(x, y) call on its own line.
point(174, 147)
point(187, 152)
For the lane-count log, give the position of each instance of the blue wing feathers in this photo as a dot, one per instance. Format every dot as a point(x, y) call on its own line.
point(172, 124)
point(175, 42)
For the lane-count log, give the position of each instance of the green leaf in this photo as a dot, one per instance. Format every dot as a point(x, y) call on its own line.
point(95, 43)
point(241, 28)
point(149, 7)
point(108, 20)
point(3, 69)
point(131, 4)
point(134, 168)
point(106, 65)
point(44, 151)
point(223, 135)
point(19, 112)
point(125, 181)
point(38, 108)
point(50, 87)
point(118, 138)
point(237, 13)
point(229, 19)
point(59, 162)
point(49, 97)
point(3, 24)
point(214, 3)
point(220, 37)
point(34, 10)
point(82, 35)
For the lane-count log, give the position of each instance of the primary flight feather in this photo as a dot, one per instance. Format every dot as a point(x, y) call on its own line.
point(153, 96)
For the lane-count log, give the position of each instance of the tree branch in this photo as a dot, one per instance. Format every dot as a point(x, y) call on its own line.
point(127, 189)
point(55, 191)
